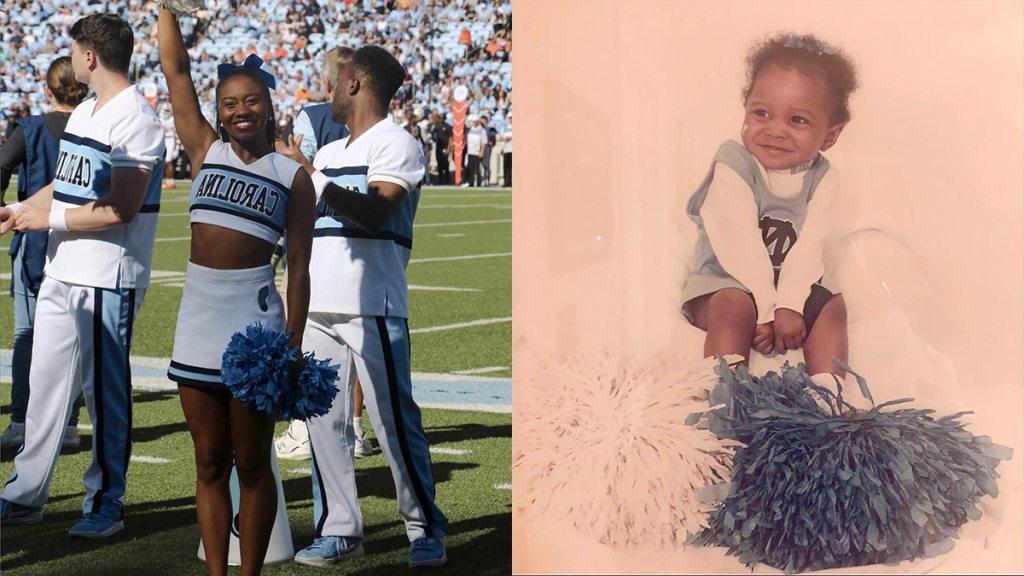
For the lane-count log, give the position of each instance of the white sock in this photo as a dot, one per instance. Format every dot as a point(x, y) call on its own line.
point(357, 423)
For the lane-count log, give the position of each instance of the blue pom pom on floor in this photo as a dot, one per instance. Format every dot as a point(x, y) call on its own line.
point(822, 485)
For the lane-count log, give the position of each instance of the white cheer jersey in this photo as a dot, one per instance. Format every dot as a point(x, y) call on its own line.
point(124, 133)
point(353, 271)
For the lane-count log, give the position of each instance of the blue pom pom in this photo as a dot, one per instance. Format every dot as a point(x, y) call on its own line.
point(255, 368)
point(827, 487)
point(316, 388)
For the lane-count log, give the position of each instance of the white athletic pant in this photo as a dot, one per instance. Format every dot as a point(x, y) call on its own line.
point(82, 339)
point(377, 349)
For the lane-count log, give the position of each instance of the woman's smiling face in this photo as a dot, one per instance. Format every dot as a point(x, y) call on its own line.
point(242, 108)
point(788, 118)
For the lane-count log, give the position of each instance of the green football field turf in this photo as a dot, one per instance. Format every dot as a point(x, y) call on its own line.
point(461, 305)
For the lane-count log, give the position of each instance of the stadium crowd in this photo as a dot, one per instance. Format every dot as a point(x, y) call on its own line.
point(442, 44)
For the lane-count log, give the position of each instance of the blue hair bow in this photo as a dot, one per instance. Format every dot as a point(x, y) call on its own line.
point(794, 41)
point(252, 62)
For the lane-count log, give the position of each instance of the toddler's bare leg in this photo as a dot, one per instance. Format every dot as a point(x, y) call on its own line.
point(728, 317)
point(828, 339)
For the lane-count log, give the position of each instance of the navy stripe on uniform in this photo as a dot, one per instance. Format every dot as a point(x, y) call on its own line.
point(196, 369)
point(83, 141)
point(192, 383)
point(396, 409)
point(280, 187)
point(240, 213)
point(318, 478)
point(69, 199)
point(360, 233)
point(97, 383)
point(113, 313)
point(128, 371)
point(80, 201)
point(345, 171)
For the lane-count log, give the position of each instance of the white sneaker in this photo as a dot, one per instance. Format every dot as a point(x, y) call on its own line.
point(364, 447)
point(13, 437)
point(72, 440)
point(294, 443)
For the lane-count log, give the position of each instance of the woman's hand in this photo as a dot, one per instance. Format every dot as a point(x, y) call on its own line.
point(790, 330)
point(764, 338)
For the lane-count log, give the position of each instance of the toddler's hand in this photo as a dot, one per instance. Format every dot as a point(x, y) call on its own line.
point(790, 330)
point(764, 338)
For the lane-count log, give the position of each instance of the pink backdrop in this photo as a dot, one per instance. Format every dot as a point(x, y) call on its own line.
point(621, 106)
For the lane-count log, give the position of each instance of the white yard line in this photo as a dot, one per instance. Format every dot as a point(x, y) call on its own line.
point(175, 239)
point(491, 195)
point(443, 288)
point(300, 471)
point(483, 322)
point(484, 370)
point(505, 486)
point(453, 258)
point(150, 459)
point(495, 206)
point(451, 451)
point(85, 427)
point(451, 235)
point(462, 223)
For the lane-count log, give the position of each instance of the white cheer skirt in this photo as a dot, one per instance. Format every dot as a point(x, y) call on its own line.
point(214, 305)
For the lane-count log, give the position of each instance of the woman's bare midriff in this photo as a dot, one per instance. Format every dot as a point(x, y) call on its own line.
point(226, 249)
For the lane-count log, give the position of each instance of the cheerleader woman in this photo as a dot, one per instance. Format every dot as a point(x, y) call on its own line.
point(244, 197)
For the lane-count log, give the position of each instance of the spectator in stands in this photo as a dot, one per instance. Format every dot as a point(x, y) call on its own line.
point(476, 143)
point(441, 134)
point(441, 43)
point(506, 151)
point(485, 164)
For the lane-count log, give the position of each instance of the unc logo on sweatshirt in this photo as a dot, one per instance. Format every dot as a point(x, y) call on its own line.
point(779, 237)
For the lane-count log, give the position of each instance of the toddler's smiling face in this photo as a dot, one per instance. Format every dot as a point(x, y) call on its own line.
point(787, 119)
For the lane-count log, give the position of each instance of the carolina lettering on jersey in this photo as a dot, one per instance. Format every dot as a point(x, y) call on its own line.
point(251, 195)
point(74, 169)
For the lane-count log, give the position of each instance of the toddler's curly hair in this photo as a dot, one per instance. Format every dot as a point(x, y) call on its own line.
point(813, 57)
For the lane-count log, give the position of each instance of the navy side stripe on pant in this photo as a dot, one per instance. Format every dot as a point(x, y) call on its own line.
point(320, 507)
point(396, 409)
point(99, 427)
point(113, 313)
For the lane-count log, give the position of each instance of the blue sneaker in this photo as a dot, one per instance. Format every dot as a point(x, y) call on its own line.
point(328, 550)
point(427, 552)
point(12, 514)
point(94, 525)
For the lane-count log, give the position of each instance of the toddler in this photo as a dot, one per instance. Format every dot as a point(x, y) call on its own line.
point(764, 209)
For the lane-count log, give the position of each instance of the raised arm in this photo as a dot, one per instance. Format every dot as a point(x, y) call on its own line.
point(194, 131)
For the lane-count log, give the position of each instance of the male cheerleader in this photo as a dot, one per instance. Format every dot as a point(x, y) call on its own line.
point(368, 188)
point(315, 128)
point(101, 210)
